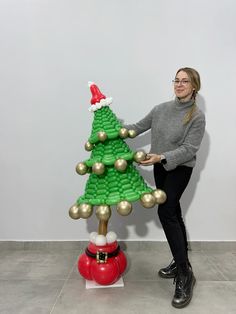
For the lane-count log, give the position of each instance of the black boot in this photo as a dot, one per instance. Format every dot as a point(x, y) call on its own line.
point(169, 271)
point(185, 281)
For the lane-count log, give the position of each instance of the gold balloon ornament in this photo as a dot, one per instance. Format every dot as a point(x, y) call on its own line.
point(132, 133)
point(124, 208)
point(81, 168)
point(102, 136)
point(160, 196)
point(88, 146)
point(103, 212)
point(140, 156)
point(123, 133)
point(120, 164)
point(98, 168)
point(148, 200)
point(74, 212)
point(85, 210)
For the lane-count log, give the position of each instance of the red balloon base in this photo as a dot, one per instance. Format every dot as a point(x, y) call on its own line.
point(103, 264)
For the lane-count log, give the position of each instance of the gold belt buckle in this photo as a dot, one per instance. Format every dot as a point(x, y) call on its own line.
point(101, 257)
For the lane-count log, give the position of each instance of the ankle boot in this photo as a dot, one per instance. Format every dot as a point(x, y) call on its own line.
point(185, 281)
point(169, 271)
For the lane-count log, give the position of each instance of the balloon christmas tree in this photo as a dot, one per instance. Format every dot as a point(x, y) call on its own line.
point(113, 180)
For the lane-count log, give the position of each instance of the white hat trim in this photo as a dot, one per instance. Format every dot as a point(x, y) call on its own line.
point(102, 103)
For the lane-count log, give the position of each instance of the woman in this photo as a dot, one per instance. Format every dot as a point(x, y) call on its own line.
point(177, 128)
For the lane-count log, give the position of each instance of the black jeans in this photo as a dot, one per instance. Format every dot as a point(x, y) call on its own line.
point(173, 183)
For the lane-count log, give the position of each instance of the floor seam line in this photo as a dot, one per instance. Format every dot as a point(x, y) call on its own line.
point(59, 294)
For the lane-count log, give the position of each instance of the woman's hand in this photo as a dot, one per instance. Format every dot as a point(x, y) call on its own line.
point(151, 159)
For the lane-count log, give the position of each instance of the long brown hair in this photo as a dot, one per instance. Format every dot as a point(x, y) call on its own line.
point(196, 83)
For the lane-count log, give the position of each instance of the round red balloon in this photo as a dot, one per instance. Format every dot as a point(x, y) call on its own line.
point(122, 261)
point(84, 266)
point(106, 273)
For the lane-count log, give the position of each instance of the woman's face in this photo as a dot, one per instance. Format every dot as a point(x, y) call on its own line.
point(183, 87)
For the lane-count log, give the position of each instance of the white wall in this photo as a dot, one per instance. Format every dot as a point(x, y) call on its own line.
point(131, 49)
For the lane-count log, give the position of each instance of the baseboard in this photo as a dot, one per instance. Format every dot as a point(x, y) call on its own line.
point(126, 245)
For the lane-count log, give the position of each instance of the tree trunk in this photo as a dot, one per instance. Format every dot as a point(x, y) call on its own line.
point(102, 228)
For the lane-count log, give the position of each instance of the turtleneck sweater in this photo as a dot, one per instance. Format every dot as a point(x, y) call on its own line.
point(170, 136)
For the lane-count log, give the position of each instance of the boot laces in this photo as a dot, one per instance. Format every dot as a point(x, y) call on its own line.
point(179, 286)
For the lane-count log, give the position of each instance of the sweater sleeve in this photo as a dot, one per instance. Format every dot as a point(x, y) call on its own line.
point(189, 147)
point(143, 125)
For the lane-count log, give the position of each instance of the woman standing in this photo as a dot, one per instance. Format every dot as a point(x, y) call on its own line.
point(177, 128)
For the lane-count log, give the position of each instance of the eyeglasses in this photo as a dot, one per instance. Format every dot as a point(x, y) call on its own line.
point(182, 82)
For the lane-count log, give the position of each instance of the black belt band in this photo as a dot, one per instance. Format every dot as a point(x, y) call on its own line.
point(101, 257)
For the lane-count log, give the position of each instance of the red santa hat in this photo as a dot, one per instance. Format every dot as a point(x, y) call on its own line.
point(98, 100)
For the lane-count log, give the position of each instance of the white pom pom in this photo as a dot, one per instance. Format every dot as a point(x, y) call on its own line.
point(109, 100)
point(111, 237)
point(93, 236)
point(100, 240)
point(102, 102)
point(90, 83)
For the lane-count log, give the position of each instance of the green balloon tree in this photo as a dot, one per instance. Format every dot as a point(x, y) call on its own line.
point(113, 177)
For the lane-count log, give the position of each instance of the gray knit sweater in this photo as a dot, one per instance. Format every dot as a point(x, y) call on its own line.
point(177, 141)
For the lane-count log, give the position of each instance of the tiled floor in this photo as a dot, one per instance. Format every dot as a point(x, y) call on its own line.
point(45, 280)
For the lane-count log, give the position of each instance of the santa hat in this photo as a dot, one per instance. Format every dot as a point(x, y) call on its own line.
point(98, 100)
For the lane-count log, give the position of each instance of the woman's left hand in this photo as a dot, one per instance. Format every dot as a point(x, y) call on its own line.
point(151, 159)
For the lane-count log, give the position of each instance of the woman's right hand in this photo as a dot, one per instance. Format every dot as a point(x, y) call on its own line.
point(151, 159)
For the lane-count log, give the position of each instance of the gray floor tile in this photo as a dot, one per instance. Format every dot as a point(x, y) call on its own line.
point(47, 281)
point(135, 297)
point(203, 267)
point(225, 262)
point(35, 264)
point(216, 297)
point(28, 296)
point(145, 297)
point(144, 265)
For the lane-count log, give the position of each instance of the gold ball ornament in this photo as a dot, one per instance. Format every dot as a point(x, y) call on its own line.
point(85, 210)
point(88, 146)
point(98, 168)
point(140, 156)
point(102, 136)
point(103, 212)
point(120, 164)
point(81, 168)
point(124, 208)
point(123, 133)
point(132, 133)
point(148, 200)
point(74, 212)
point(160, 196)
